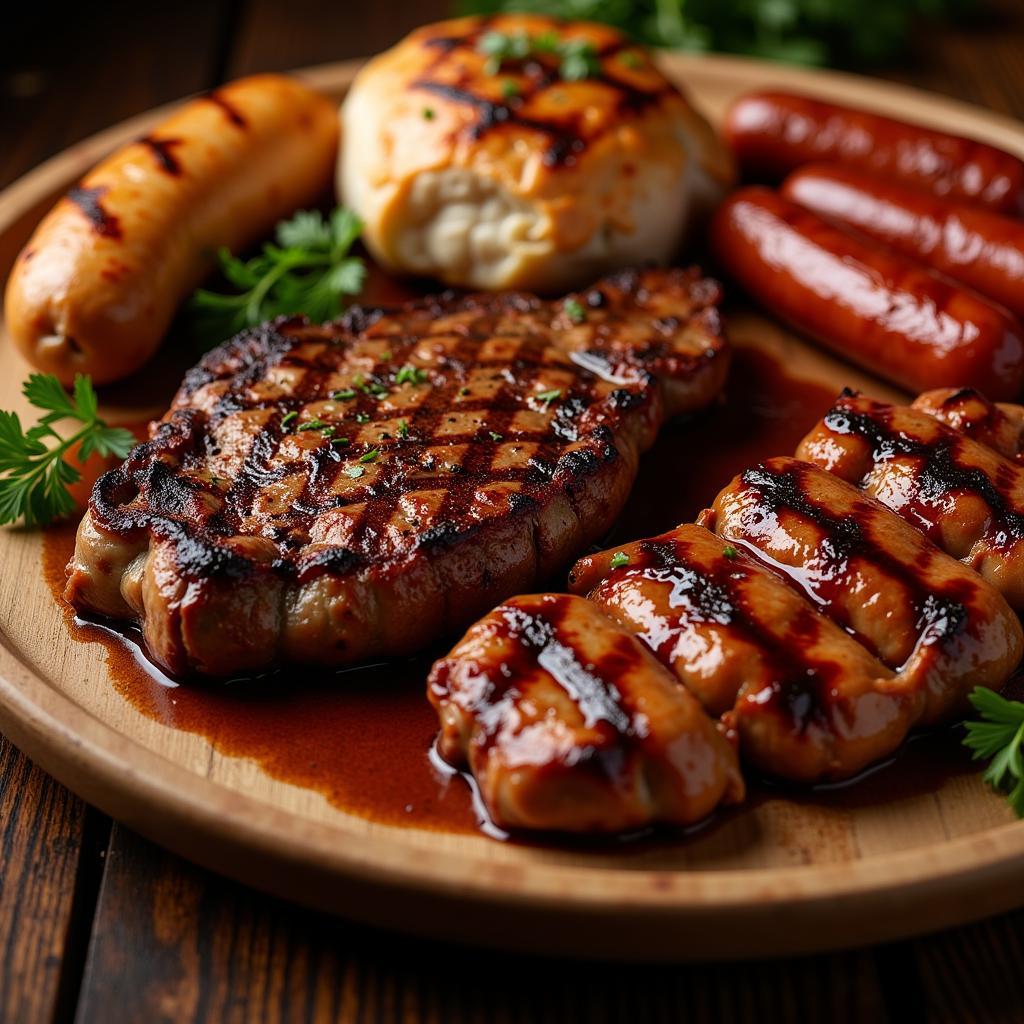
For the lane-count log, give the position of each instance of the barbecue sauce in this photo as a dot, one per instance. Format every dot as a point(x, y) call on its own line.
point(363, 737)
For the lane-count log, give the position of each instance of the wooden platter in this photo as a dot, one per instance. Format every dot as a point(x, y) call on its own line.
point(920, 845)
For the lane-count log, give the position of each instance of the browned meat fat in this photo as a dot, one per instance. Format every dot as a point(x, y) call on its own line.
point(329, 494)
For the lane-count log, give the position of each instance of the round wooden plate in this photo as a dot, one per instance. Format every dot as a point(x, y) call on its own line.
point(784, 875)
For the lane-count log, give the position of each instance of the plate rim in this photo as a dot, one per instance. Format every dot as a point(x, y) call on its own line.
point(207, 822)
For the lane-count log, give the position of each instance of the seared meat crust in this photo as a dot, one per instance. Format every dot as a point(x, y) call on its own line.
point(807, 701)
point(966, 497)
point(328, 494)
point(568, 722)
point(924, 614)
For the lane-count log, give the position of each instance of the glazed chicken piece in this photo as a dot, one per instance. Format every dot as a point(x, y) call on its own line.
point(998, 425)
point(964, 496)
point(807, 701)
point(568, 722)
point(329, 494)
point(924, 614)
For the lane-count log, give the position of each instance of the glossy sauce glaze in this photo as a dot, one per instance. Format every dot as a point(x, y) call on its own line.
point(364, 741)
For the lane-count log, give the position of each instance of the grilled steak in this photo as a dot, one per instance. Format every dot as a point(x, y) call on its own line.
point(328, 494)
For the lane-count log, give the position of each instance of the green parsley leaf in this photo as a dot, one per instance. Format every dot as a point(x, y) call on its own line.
point(510, 89)
point(403, 428)
point(999, 736)
point(370, 456)
point(730, 552)
point(428, 113)
point(574, 310)
point(34, 476)
point(619, 559)
point(579, 60)
point(361, 417)
point(494, 436)
point(410, 374)
point(308, 270)
point(547, 397)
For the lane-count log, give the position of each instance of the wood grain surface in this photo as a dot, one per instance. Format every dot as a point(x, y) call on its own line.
point(972, 973)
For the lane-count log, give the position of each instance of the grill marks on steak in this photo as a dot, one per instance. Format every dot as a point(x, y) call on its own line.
point(332, 493)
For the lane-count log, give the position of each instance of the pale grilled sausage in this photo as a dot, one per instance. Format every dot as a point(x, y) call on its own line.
point(999, 425)
point(98, 284)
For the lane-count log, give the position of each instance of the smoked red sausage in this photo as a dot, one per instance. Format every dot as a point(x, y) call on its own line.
point(874, 307)
point(773, 133)
point(978, 247)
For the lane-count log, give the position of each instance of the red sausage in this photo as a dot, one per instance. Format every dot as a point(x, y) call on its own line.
point(880, 310)
point(982, 249)
point(773, 133)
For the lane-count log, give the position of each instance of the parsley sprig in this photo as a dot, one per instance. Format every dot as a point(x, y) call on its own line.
point(306, 270)
point(577, 58)
point(999, 735)
point(34, 470)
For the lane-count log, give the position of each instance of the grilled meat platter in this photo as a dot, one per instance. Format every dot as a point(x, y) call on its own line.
point(340, 481)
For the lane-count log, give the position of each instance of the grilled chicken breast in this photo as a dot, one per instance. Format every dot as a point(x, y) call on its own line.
point(817, 624)
point(963, 495)
point(328, 494)
point(923, 614)
point(999, 425)
point(568, 722)
point(807, 701)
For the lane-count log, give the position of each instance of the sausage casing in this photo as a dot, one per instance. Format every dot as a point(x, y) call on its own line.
point(772, 133)
point(982, 249)
point(97, 285)
point(875, 308)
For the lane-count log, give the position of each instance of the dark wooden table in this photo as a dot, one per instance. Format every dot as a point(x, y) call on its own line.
point(98, 925)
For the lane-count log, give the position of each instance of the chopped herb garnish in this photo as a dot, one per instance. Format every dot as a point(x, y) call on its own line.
point(354, 471)
point(619, 559)
point(385, 357)
point(343, 396)
point(577, 58)
point(428, 113)
point(547, 397)
point(339, 440)
point(410, 374)
point(370, 456)
point(509, 89)
point(494, 436)
point(361, 417)
point(463, 391)
point(288, 417)
point(575, 311)
point(359, 380)
point(373, 388)
point(327, 432)
point(311, 425)
point(729, 551)
point(630, 59)
point(403, 428)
